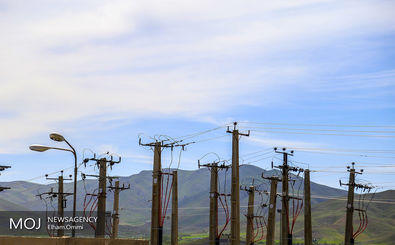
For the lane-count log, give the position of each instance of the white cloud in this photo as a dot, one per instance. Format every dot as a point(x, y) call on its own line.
point(67, 60)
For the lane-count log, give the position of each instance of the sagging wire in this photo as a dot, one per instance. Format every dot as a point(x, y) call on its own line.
point(260, 219)
point(89, 205)
point(224, 204)
point(108, 227)
point(362, 210)
point(51, 233)
point(166, 197)
point(299, 202)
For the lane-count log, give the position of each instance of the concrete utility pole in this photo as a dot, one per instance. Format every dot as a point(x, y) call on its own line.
point(213, 232)
point(235, 193)
point(286, 236)
point(308, 232)
point(213, 222)
point(156, 209)
point(174, 210)
point(285, 203)
point(60, 204)
point(348, 238)
point(271, 220)
point(115, 216)
point(250, 216)
point(101, 207)
point(156, 229)
point(100, 231)
point(61, 199)
point(250, 212)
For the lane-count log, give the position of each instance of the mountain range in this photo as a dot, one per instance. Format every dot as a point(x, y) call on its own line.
point(328, 204)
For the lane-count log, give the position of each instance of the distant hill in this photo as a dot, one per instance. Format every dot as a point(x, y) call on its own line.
point(135, 204)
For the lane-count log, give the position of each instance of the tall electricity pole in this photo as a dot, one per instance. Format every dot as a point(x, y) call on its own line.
point(250, 216)
point(174, 210)
point(286, 231)
point(250, 213)
point(61, 200)
point(115, 214)
point(308, 233)
point(349, 237)
point(100, 230)
point(235, 193)
point(271, 220)
point(286, 237)
point(156, 209)
point(213, 222)
point(101, 207)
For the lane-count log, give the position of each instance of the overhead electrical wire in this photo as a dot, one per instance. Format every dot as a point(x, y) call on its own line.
point(323, 130)
point(307, 133)
point(320, 125)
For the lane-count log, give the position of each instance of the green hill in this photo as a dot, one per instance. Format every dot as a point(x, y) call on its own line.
point(135, 205)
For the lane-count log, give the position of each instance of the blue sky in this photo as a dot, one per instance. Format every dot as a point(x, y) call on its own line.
point(102, 72)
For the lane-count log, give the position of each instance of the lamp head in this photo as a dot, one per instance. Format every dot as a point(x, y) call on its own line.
point(39, 148)
point(56, 137)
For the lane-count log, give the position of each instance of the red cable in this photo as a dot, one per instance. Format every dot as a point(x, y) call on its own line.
point(160, 198)
point(366, 223)
point(299, 209)
point(360, 225)
point(226, 214)
point(257, 230)
point(168, 199)
point(262, 231)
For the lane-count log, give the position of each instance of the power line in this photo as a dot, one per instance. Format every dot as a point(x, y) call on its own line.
point(188, 136)
point(324, 130)
point(345, 150)
point(344, 154)
point(321, 125)
point(305, 133)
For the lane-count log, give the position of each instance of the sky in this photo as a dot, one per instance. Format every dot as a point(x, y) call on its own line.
point(314, 76)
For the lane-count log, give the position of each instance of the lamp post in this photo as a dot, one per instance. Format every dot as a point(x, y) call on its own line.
point(59, 138)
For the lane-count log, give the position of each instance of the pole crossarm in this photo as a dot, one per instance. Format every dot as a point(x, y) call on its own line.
point(2, 168)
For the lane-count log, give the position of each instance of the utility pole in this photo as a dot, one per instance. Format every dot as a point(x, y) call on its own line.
point(286, 234)
point(101, 207)
point(286, 238)
point(61, 200)
point(100, 231)
point(271, 220)
point(349, 236)
point(250, 216)
point(213, 222)
point(115, 215)
point(308, 232)
point(156, 209)
point(156, 229)
point(174, 210)
point(250, 212)
point(2, 168)
point(235, 193)
point(348, 240)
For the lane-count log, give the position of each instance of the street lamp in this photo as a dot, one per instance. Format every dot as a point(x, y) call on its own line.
point(41, 148)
